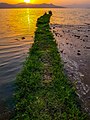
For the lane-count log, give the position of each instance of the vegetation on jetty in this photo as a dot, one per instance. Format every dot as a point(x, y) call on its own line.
point(43, 91)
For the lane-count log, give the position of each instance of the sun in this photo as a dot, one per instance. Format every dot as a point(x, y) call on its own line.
point(27, 1)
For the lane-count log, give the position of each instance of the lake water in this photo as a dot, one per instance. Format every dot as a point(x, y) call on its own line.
point(17, 28)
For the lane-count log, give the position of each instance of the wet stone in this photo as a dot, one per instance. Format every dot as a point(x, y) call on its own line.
point(78, 50)
point(16, 39)
point(86, 36)
point(56, 34)
point(78, 53)
point(61, 51)
point(87, 47)
point(23, 38)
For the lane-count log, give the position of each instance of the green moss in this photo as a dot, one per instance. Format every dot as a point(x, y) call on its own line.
point(43, 91)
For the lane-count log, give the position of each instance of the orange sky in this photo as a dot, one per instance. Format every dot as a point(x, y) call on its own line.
point(58, 2)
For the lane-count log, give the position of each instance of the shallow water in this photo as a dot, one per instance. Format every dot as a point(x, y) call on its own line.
point(17, 28)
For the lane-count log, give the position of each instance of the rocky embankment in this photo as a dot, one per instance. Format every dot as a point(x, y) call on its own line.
point(74, 46)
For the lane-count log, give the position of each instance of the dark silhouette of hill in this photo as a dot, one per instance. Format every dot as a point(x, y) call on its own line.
point(78, 5)
point(25, 5)
point(6, 5)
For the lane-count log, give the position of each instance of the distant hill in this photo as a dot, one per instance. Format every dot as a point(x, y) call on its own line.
point(25, 5)
point(6, 5)
point(78, 6)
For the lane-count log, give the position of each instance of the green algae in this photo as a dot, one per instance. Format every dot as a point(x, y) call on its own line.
point(43, 90)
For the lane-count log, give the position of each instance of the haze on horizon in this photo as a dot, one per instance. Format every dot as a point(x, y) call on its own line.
point(59, 2)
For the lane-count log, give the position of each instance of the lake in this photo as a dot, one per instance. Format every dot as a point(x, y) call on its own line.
point(17, 27)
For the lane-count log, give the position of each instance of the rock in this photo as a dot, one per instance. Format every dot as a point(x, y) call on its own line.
point(50, 12)
point(86, 36)
point(68, 30)
point(53, 27)
point(60, 35)
point(53, 31)
point(77, 36)
point(65, 62)
point(63, 31)
point(81, 75)
point(61, 51)
point(64, 53)
point(78, 53)
point(84, 47)
point(16, 39)
point(78, 50)
point(56, 34)
point(23, 38)
point(88, 97)
point(67, 43)
point(87, 47)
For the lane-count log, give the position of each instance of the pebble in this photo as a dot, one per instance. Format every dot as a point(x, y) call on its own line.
point(81, 75)
point(86, 36)
point(60, 35)
point(87, 47)
point(78, 50)
point(23, 38)
point(77, 36)
point(61, 51)
point(78, 53)
point(16, 39)
point(53, 27)
point(56, 34)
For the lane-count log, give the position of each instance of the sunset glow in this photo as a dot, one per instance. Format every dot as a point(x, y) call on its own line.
point(56, 2)
point(27, 1)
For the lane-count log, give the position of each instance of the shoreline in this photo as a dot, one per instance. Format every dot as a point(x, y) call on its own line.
point(73, 45)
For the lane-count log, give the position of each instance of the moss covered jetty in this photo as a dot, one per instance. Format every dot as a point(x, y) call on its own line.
point(43, 91)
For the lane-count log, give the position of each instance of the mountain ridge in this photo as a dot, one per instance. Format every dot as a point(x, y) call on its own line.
point(29, 5)
point(78, 5)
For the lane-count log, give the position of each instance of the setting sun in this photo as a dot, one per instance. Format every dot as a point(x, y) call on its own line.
point(27, 1)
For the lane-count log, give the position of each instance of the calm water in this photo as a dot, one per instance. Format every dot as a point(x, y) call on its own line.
point(18, 23)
